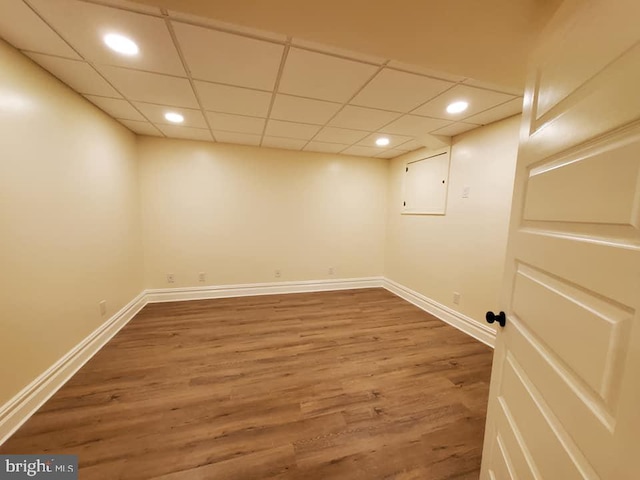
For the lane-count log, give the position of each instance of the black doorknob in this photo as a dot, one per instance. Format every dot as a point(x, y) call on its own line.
point(501, 318)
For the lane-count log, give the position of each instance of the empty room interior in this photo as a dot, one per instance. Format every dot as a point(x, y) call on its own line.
point(320, 240)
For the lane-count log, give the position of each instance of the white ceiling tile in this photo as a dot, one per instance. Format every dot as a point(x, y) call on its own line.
point(391, 153)
point(360, 118)
point(455, 129)
point(296, 109)
point(425, 71)
point(141, 128)
point(84, 25)
point(337, 51)
point(133, 6)
point(493, 86)
point(116, 107)
point(155, 113)
point(410, 146)
point(413, 125)
point(286, 143)
point(399, 91)
point(23, 29)
point(508, 109)
point(324, 147)
point(479, 100)
point(151, 87)
point(394, 140)
point(236, 123)
point(316, 75)
point(229, 27)
point(229, 58)
point(340, 135)
point(361, 151)
point(278, 128)
point(187, 133)
point(78, 75)
point(240, 138)
point(243, 101)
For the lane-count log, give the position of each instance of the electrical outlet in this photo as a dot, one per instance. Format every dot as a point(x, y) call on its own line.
point(456, 298)
point(103, 308)
point(202, 277)
point(465, 191)
point(170, 278)
point(278, 273)
point(331, 271)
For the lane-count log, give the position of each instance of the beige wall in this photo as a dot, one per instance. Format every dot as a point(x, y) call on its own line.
point(464, 250)
point(239, 213)
point(69, 220)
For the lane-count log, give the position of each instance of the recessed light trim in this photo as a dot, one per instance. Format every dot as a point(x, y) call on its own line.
point(382, 141)
point(121, 44)
point(174, 117)
point(457, 107)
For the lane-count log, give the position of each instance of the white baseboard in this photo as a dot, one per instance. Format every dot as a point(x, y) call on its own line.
point(245, 290)
point(18, 410)
point(466, 324)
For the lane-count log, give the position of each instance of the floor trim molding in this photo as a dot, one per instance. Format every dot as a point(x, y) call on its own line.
point(244, 290)
point(466, 324)
point(25, 403)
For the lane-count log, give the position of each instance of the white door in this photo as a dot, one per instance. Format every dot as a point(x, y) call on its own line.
point(565, 389)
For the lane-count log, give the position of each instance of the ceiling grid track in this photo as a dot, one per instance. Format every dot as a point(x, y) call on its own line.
point(187, 70)
point(276, 85)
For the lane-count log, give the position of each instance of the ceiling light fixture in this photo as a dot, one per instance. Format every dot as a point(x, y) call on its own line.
point(121, 44)
point(382, 141)
point(174, 117)
point(457, 107)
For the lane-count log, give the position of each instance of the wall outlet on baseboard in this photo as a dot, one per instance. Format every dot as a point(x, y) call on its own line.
point(202, 277)
point(171, 278)
point(278, 273)
point(332, 270)
point(456, 298)
point(103, 308)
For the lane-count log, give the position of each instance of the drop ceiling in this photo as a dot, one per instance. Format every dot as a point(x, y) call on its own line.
point(234, 84)
point(488, 40)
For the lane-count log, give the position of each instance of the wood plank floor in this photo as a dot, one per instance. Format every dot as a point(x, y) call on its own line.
point(346, 385)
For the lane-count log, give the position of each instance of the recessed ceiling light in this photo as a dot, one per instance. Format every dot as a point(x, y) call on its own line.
point(457, 107)
point(382, 141)
point(174, 117)
point(121, 44)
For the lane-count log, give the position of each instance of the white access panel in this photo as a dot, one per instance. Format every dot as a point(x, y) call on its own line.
point(426, 182)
